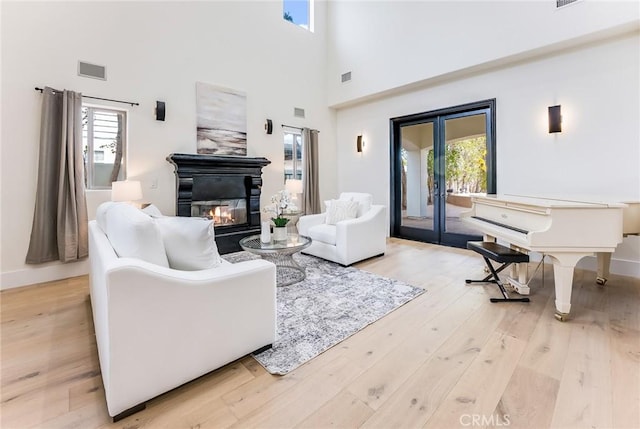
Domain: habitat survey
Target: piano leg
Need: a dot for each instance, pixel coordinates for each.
(563, 266)
(604, 262)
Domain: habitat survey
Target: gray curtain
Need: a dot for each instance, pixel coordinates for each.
(59, 230)
(310, 187)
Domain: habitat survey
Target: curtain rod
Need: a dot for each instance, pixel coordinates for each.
(98, 98)
(298, 128)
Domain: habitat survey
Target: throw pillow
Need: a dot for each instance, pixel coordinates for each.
(132, 234)
(189, 242)
(364, 200)
(340, 210)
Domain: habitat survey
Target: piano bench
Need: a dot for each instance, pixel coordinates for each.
(497, 252)
(503, 255)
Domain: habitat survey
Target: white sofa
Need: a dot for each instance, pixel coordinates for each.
(360, 236)
(158, 328)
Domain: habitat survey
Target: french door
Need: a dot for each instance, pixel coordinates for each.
(440, 159)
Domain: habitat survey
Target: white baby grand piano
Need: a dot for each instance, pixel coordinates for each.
(564, 230)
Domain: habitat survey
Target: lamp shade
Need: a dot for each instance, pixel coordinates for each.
(126, 190)
(293, 185)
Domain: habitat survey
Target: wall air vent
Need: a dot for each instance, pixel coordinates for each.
(345, 77)
(298, 112)
(561, 3)
(92, 70)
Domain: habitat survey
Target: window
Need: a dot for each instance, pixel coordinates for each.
(104, 142)
(292, 154)
(299, 12)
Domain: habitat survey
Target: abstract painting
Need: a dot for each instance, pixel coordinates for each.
(222, 120)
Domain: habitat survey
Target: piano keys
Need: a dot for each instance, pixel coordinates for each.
(564, 230)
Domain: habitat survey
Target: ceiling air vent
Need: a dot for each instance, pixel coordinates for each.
(561, 3)
(92, 70)
(298, 112)
(345, 77)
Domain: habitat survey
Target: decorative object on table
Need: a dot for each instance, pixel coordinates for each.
(221, 120)
(280, 202)
(280, 233)
(331, 304)
(265, 232)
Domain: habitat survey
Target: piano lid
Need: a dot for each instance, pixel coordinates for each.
(545, 202)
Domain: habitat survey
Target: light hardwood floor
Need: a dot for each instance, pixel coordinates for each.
(447, 359)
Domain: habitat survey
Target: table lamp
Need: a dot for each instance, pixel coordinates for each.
(126, 190)
(294, 186)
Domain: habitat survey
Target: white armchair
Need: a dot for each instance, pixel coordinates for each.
(158, 327)
(350, 240)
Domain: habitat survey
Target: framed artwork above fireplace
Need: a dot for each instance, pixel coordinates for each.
(221, 120)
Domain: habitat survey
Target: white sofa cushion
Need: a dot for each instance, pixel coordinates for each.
(132, 234)
(189, 242)
(323, 233)
(340, 210)
(364, 200)
(153, 211)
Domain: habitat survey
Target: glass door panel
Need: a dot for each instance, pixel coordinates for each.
(465, 169)
(417, 175)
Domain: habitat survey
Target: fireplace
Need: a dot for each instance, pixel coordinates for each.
(225, 189)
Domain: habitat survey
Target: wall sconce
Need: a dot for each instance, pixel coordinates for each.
(359, 143)
(555, 119)
(268, 126)
(160, 110)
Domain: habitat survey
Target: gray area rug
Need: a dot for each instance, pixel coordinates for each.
(330, 305)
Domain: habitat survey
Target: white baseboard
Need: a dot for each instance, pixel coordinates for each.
(618, 266)
(52, 272)
(621, 267)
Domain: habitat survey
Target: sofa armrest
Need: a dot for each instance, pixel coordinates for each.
(308, 221)
(368, 231)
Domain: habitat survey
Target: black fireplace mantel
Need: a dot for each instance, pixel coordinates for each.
(212, 177)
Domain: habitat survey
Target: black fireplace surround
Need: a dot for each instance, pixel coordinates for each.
(224, 188)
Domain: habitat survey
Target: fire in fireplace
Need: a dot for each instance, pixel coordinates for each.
(222, 212)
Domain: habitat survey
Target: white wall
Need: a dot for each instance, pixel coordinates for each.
(392, 43)
(596, 155)
(153, 51)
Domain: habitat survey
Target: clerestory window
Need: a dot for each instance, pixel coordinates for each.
(298, 12)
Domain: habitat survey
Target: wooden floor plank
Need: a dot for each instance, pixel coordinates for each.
(547, 349)
(343, 411)
(625, 368)
(528, 401)
(482, 385)
(420, 396)
(585, 393)
(380, 381)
